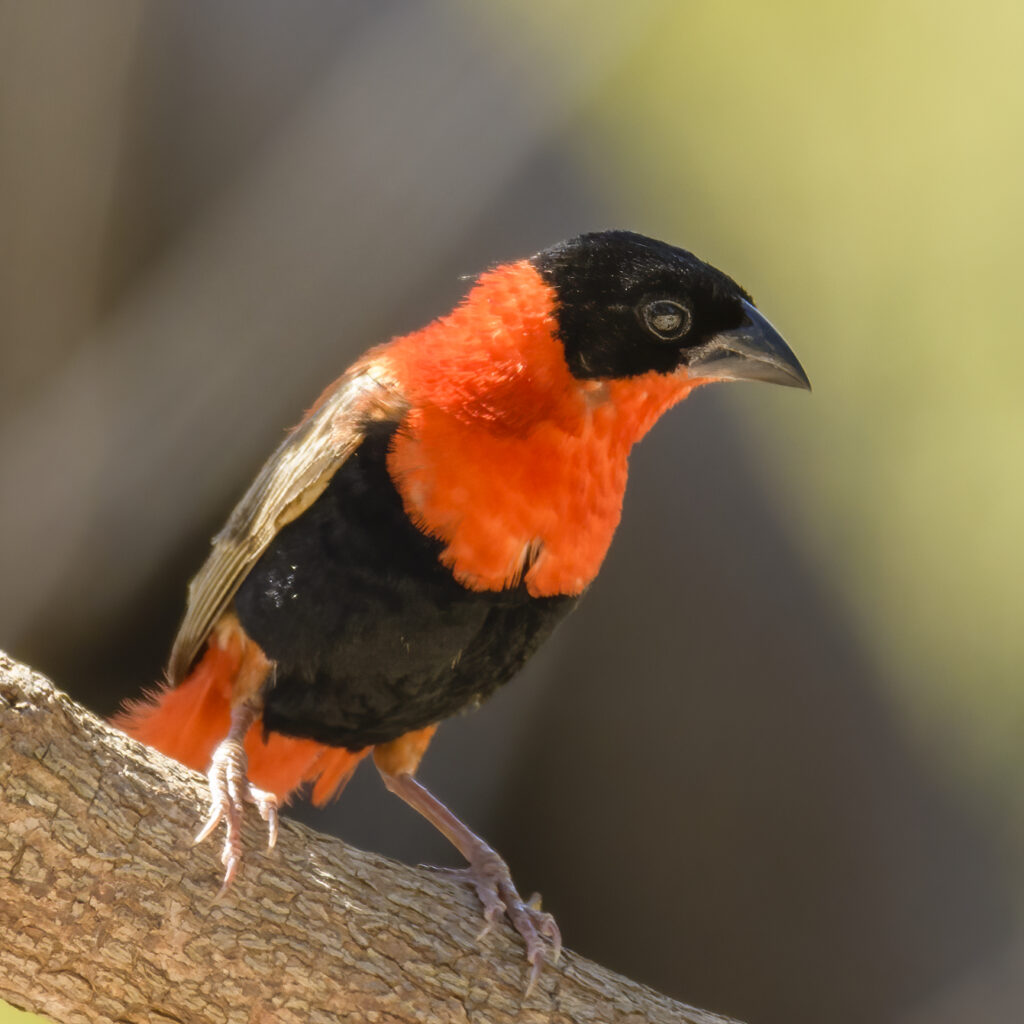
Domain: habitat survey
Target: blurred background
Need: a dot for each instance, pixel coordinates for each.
(773, 765)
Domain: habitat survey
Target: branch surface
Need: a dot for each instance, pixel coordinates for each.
(107, 911)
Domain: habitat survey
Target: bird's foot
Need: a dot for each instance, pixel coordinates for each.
(230, 791)
(490, 876)
(487, 872)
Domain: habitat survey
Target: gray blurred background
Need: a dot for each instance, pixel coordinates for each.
(771, 765)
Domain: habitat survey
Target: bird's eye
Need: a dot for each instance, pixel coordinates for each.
(666, 319)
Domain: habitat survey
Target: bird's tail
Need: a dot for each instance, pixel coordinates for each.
(187, 722)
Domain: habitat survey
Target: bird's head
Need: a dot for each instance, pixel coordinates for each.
(628, 305)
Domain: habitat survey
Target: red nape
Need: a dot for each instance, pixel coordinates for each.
(187, 722)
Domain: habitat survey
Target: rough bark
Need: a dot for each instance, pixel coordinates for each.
(108, 912)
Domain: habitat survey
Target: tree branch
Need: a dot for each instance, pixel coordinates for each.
(108, 912)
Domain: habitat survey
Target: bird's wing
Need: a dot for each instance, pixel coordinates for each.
(289, 482)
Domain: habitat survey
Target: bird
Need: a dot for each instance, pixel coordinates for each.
(421, 532)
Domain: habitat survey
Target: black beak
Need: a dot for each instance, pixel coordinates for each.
(752, 351)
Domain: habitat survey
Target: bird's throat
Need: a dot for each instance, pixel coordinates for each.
(515, 464)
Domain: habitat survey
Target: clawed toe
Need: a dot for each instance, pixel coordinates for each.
(491, 879)
(230, 791)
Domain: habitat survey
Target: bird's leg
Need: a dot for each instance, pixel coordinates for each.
(488, 873)
(230, 790)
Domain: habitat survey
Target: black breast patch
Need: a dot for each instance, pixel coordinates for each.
(372, 637)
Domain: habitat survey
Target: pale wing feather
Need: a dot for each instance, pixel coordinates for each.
(289, 482)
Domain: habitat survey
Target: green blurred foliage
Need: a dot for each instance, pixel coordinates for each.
(858, 167)
(9, 1015)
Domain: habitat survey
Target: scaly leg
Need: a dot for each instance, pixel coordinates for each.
(230, 791)
(488, 873)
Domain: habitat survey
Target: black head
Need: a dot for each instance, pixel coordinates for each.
(628, 304)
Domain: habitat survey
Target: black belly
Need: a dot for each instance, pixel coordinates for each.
(372, 637)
